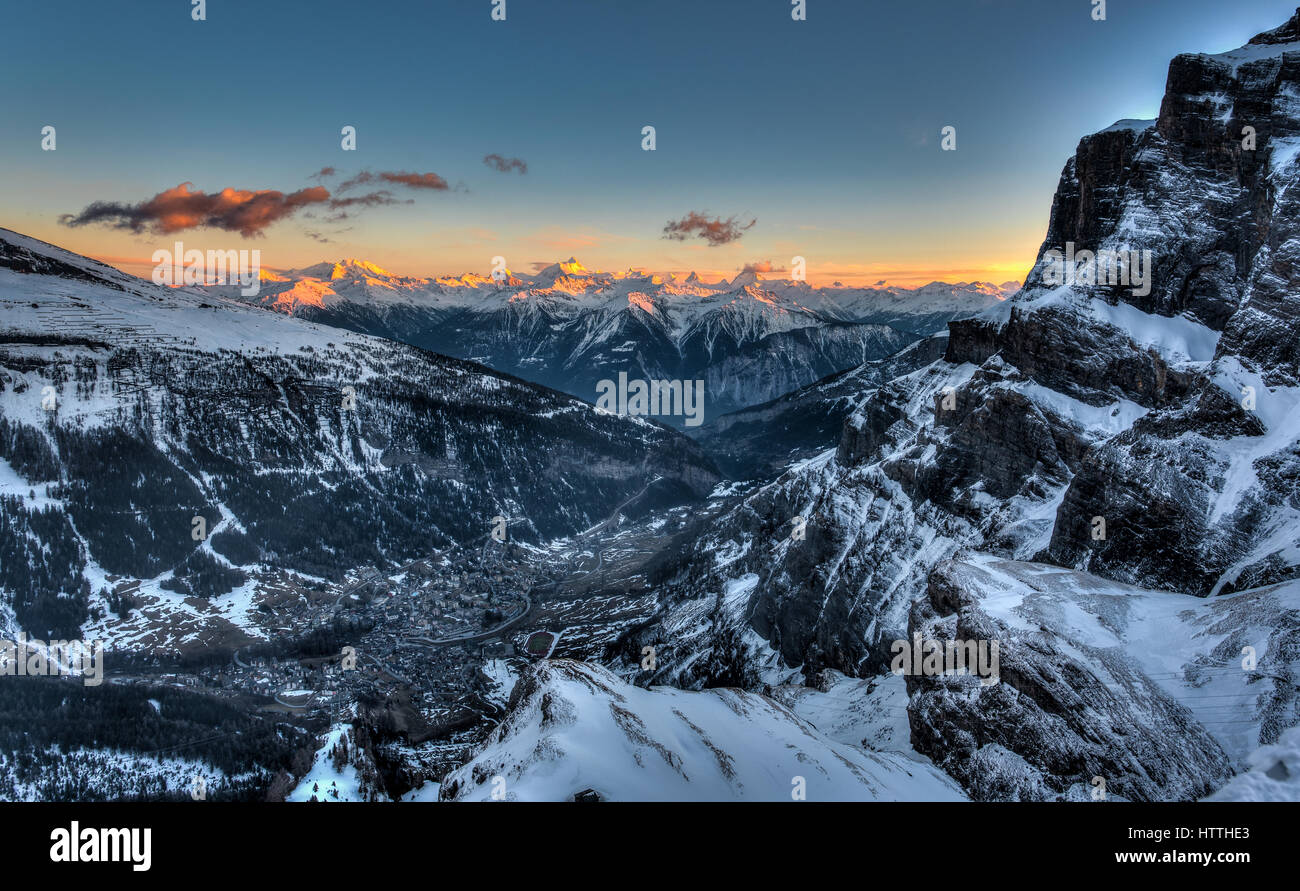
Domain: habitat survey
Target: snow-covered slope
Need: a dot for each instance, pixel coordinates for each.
(340, 772)
(574, 727)
(1274, 773)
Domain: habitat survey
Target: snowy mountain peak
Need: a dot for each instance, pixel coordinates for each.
(348, 267)
(1267, 45)
(1289, 32)
(570, 267)
(545, 325)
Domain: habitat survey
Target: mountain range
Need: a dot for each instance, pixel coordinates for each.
(750, 339)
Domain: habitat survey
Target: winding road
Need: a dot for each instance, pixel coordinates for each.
(478, 635)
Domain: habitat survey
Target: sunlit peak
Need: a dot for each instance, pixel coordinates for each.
(350, 266)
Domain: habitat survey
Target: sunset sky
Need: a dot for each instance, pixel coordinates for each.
(825, 133)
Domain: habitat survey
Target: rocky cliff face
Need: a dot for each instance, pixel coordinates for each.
(1200, 492)
(1143, 689)
(1142, 431)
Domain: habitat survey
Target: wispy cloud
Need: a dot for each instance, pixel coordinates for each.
(248, 212)
(370, 199)
(502, 164)
(397, 177)
(715, 231)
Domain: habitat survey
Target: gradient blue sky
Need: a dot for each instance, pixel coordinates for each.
(826, 131)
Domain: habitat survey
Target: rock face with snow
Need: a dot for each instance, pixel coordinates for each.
(1143, 437)
(750, 339)
(759, 442)
(575, 728)
(1146, 689)
(1198, 493)
(133, 409)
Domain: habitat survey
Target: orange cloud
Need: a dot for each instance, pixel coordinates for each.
(235, 210)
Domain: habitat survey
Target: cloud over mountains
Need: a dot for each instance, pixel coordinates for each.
(715, 231)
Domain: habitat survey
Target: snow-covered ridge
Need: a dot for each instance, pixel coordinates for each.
(1134, 124)
(108, 305)
(1270, 44)
(1184, 646)
(570, 288)
(576, 727)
